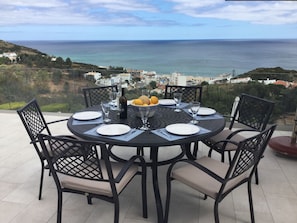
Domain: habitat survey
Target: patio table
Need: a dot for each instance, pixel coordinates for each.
(156, 138)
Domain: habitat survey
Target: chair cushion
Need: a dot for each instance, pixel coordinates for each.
(222, 136)
(99, 187)
(201, 181)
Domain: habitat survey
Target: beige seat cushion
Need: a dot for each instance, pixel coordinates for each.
(97, 187)
(199, 180)
(223, 136)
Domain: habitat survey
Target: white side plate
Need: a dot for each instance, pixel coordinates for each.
(182, 129)
(113, 129)
(166, 102)
(206, 111)
(87, 115)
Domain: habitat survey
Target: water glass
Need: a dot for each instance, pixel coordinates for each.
(106, 108)
(177, 96)
(144, 114)
(194, 108)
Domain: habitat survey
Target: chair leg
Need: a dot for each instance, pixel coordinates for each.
(167, 204)
(209, 152)
(256, 176)
(59, 212)
(216, 211)
(144, 189)
(251, 202)
(116, 210)
(41, 180)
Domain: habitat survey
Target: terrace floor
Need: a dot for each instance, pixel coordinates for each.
(275, 198)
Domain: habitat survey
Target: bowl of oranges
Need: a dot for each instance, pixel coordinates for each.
(144, 101)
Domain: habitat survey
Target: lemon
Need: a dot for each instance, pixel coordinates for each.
(154, 100)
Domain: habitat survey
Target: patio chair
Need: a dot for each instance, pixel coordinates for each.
(94, 95)
(190, 93)
(252, 114)
(216, 179)
(77, 168)
(34, 123)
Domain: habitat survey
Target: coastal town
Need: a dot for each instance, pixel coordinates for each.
(133, 78)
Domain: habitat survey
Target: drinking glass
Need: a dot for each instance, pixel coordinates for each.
(194, 108)
(177, 96)
(144, 113)
(106, 108)
(113, 99)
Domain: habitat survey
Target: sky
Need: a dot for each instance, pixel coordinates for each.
(146, 19)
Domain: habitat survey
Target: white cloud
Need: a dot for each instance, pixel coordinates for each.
(259, 12)
(141, 12)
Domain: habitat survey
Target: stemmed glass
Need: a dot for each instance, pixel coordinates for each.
(144, 113)
(106, 108)
(195, 106)
(113, 99)
(177, 96)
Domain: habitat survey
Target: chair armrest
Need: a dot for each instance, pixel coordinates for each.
(199, 166)
(239, 131)
(60, 120)
(224, 142)
(128, 164)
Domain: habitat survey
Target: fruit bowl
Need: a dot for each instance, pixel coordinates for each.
(152, 107)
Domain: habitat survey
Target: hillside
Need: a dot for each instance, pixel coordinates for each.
(277, 73)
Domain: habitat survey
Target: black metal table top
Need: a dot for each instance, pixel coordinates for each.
(163, 116)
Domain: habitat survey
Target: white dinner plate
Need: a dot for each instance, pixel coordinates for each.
(206, 111)
(166, 102)
(113, 129)
(182, 129)
(87, 115)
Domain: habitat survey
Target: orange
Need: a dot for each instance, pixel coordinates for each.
(138, 102)
(154, 100)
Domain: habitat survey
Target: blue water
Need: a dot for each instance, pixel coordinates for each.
(207, 58)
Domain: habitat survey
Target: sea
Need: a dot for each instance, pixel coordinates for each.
(204, 58)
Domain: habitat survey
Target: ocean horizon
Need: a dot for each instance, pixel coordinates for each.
(206, 58)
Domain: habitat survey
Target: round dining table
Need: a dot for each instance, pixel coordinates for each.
(156, 138)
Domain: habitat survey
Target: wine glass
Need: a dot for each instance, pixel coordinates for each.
(106, 108)
(113, 99)
(144, 113)
(177, 96)
(195, 106)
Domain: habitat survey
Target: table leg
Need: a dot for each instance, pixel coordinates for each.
(187, 149)
(154, 156)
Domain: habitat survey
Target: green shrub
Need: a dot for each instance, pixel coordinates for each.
(55, 107)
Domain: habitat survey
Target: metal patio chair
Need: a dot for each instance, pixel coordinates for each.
(216, 179)
(34, 123)
(84, 167)
(94, 95)
(252, 114)
(190, 93)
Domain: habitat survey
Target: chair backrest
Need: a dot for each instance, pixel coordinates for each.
(190, 93)
(33, 120)
(76, 158)
(248, 155)
(94, 95)
(253, 112)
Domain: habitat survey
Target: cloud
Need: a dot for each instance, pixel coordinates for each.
(257, 12)
(144, 12)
